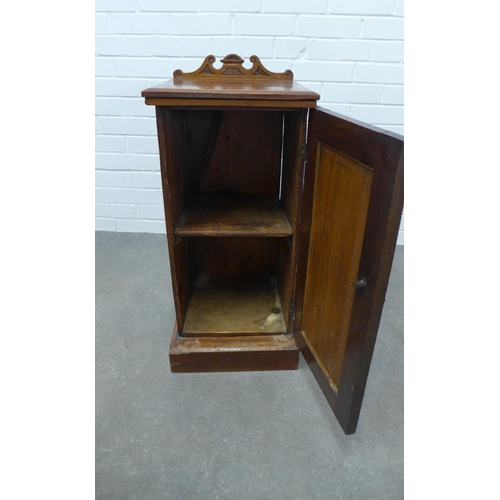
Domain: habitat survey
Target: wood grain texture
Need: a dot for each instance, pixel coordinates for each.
(246, 159)
(294, 138)
(171, 133)
(222, 306)
(209, 100)
(227, 354)
(382, 152)
(232, 215)
(232, 69)
(235, 256)
(341, 199)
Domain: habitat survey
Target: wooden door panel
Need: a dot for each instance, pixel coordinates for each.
(342, 193)
(352, 205)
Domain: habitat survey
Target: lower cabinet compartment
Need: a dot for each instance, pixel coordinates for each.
(235, 317)
(234, 305)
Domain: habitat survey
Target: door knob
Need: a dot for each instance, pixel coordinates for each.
(360, 283)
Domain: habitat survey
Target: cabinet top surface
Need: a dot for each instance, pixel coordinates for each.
(230, 90)
(232, 82)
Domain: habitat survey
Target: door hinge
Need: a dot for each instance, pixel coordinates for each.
(303, 152)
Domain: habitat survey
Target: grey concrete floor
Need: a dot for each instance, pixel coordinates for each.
(252, 435)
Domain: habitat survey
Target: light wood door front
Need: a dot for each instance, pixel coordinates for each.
(353, 198)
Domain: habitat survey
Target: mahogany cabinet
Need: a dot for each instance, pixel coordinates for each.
(282, 220)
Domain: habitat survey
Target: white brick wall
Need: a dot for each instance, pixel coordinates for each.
(349, 51)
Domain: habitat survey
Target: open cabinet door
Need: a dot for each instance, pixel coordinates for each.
(352, 205)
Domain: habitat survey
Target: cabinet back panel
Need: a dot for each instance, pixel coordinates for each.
(235, 256)
(246, 154)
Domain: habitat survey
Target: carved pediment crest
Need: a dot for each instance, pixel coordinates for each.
(232, 67)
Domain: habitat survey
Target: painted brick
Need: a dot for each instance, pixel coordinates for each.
(278, 65)
(378, 115)
(342, 109)
(352, 93)
(108, 106)
(167, 46)
(168, 5)
(296, 6)
(353, 50)
(128, 179)
(148, 145)
(102, 195)
(140, 24)
(140, 226)
(323, 49)
(109, 179)
(314, 86)
(291, 48)
(119, 87)
(105, 224)
(143, 180)
(135, 196)
(363, 7)
(138, 45)
(224, 45)
(105, 161)
(115, 5)
(141, 42)
(201, 24)
(383, 28)
(230, 6)
(257, 46)
(109, 45)
(197, 47)
(124, 126)
(323, 71)
(393, 95)
(151, 82)
(329, 27)
(151, 163)
(136, 107)
(115, 211)
(400, 9)
(102, 24)
(378, 73)
(259, 24)
(142, 67)
(109, 144)
(150, 212)
(387, 51)
(128, 161)
(243, 46)
(104, 66)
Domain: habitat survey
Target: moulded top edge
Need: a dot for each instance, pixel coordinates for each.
(231, 89)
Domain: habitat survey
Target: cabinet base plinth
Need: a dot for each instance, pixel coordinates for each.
(232, 354)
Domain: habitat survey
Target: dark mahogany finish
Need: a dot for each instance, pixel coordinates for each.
(382, 154)
(277, 215)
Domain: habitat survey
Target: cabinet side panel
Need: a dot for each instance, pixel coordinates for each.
(247, 155)
(294, 136)
(171, 140)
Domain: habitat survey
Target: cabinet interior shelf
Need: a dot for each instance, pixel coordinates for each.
(233, 215)
(222, 305)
